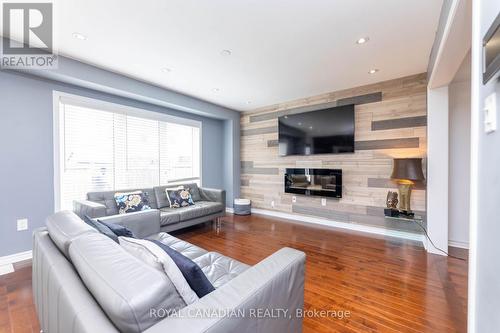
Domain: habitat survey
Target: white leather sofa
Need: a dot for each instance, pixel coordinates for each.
(84, 282)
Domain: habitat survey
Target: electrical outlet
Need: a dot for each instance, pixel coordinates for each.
(22, 224)
(294, 199)
(323, 201)
(272, 203)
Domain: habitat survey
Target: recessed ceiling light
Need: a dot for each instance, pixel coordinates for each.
(362, 40)
(300, 124)
(79, 36)
(216, 89)
(373, 71)
(166, 70)
(225, 53)
(249, 102)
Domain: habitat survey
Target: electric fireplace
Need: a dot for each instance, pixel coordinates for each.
(317, 182)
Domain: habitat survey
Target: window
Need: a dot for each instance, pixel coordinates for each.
(102, 146)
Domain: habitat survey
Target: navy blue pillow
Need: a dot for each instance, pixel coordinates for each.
(117, 229)
(191, 272)
(102, 228)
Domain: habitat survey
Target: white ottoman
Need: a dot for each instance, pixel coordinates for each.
(242, 207)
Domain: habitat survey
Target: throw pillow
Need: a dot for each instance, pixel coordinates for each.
(117, 229)
(193, 274)
(194, 190)
(102, 228)
(179, 198)
(154, 256)
(132, 202)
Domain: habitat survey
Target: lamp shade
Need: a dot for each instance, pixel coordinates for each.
(408, 169)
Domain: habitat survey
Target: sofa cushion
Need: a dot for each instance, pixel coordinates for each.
(193, 274)
(189, 250)
(219, 269)
(126, 288)
(153, 255)
(64, 227)
(132, 202)
(200, 209)
(178, 198)
(107, 198)
(169, 216)
(161, 195)
(101, 227)
(117, 229)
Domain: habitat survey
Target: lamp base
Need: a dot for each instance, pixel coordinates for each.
(405, 213)
(404, 197)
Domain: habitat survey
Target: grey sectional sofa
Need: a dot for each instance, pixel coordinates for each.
(84, 282)
(210, 204)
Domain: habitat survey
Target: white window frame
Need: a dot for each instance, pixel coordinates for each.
(62, 97)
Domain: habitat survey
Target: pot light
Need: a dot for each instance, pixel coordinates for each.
(166, 70)
(225, 53)
(216, 90)
(363, 40)
(373, 71)
(79, 36)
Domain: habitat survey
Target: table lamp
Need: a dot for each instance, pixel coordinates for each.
(406, 171)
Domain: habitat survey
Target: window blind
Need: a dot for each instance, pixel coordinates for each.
(105, 150)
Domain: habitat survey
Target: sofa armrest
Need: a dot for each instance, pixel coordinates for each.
(212, 194)
(142, 224)
(90, 208)
(276, 283)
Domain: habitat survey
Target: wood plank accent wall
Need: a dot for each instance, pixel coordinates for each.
(391, 119)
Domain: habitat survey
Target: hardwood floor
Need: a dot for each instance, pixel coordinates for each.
(17, 312)
(386, 284)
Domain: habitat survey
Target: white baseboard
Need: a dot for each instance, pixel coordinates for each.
(335, 224)
(6, 269)
(16, 257)
(459, 244)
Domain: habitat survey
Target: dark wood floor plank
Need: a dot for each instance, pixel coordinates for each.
(387, 284)
(390, 285)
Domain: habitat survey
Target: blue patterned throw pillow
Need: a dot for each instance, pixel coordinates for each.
(132, 202)
(179, 198)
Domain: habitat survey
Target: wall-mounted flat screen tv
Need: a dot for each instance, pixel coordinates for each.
(326, 131)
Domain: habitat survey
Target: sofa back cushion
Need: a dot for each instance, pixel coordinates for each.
(107, 198)
(64, 227)
(162, 198)
(127, 289)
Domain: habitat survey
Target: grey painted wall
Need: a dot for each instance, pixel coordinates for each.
(26, 151)
(484, 292)
(459, 155)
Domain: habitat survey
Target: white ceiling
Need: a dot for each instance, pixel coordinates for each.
(280, 50)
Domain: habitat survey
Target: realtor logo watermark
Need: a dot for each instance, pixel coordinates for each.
(28, 31)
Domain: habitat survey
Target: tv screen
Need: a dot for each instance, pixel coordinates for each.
(326, 131)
